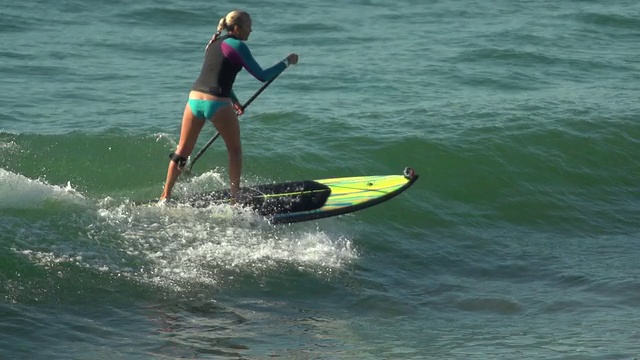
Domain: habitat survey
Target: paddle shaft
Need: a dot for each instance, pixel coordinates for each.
(206, 146)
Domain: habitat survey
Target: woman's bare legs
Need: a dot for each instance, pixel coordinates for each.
(191, 127)
(226, 122)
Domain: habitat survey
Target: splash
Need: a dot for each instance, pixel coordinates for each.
(183, 245)
(19, 192)
(9, 146)
(174, 247)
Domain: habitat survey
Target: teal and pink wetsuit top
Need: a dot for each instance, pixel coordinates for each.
(223, 60)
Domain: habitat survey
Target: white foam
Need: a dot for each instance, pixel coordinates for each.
(186, 245)
(167, 137)
(211, 180)
(207, 181)
(172, 246)
(19, 192)
(10, 146)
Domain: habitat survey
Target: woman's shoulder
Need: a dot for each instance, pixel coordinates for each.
(234, 42)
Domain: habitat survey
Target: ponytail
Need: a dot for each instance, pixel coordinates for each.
(222, 25)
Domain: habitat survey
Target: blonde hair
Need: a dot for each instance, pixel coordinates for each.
(234, 18)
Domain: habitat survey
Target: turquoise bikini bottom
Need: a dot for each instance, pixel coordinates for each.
(205, 109)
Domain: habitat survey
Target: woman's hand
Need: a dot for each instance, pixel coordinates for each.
(293, 59)
(238, 108)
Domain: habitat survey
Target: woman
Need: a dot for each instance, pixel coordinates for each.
(212, 97)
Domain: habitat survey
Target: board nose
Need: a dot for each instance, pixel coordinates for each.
(409, 173)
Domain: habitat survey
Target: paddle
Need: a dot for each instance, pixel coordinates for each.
(187, 169)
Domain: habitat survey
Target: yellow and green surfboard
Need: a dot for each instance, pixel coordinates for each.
(313, 199)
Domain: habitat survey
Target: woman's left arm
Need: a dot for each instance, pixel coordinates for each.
(252, 66)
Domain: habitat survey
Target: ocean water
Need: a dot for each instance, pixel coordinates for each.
(519, 240)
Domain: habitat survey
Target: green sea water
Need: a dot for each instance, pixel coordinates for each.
(519, 240)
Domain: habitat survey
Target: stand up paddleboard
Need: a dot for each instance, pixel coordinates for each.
(304, 200)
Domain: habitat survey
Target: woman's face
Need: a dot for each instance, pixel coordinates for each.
(243, 31)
